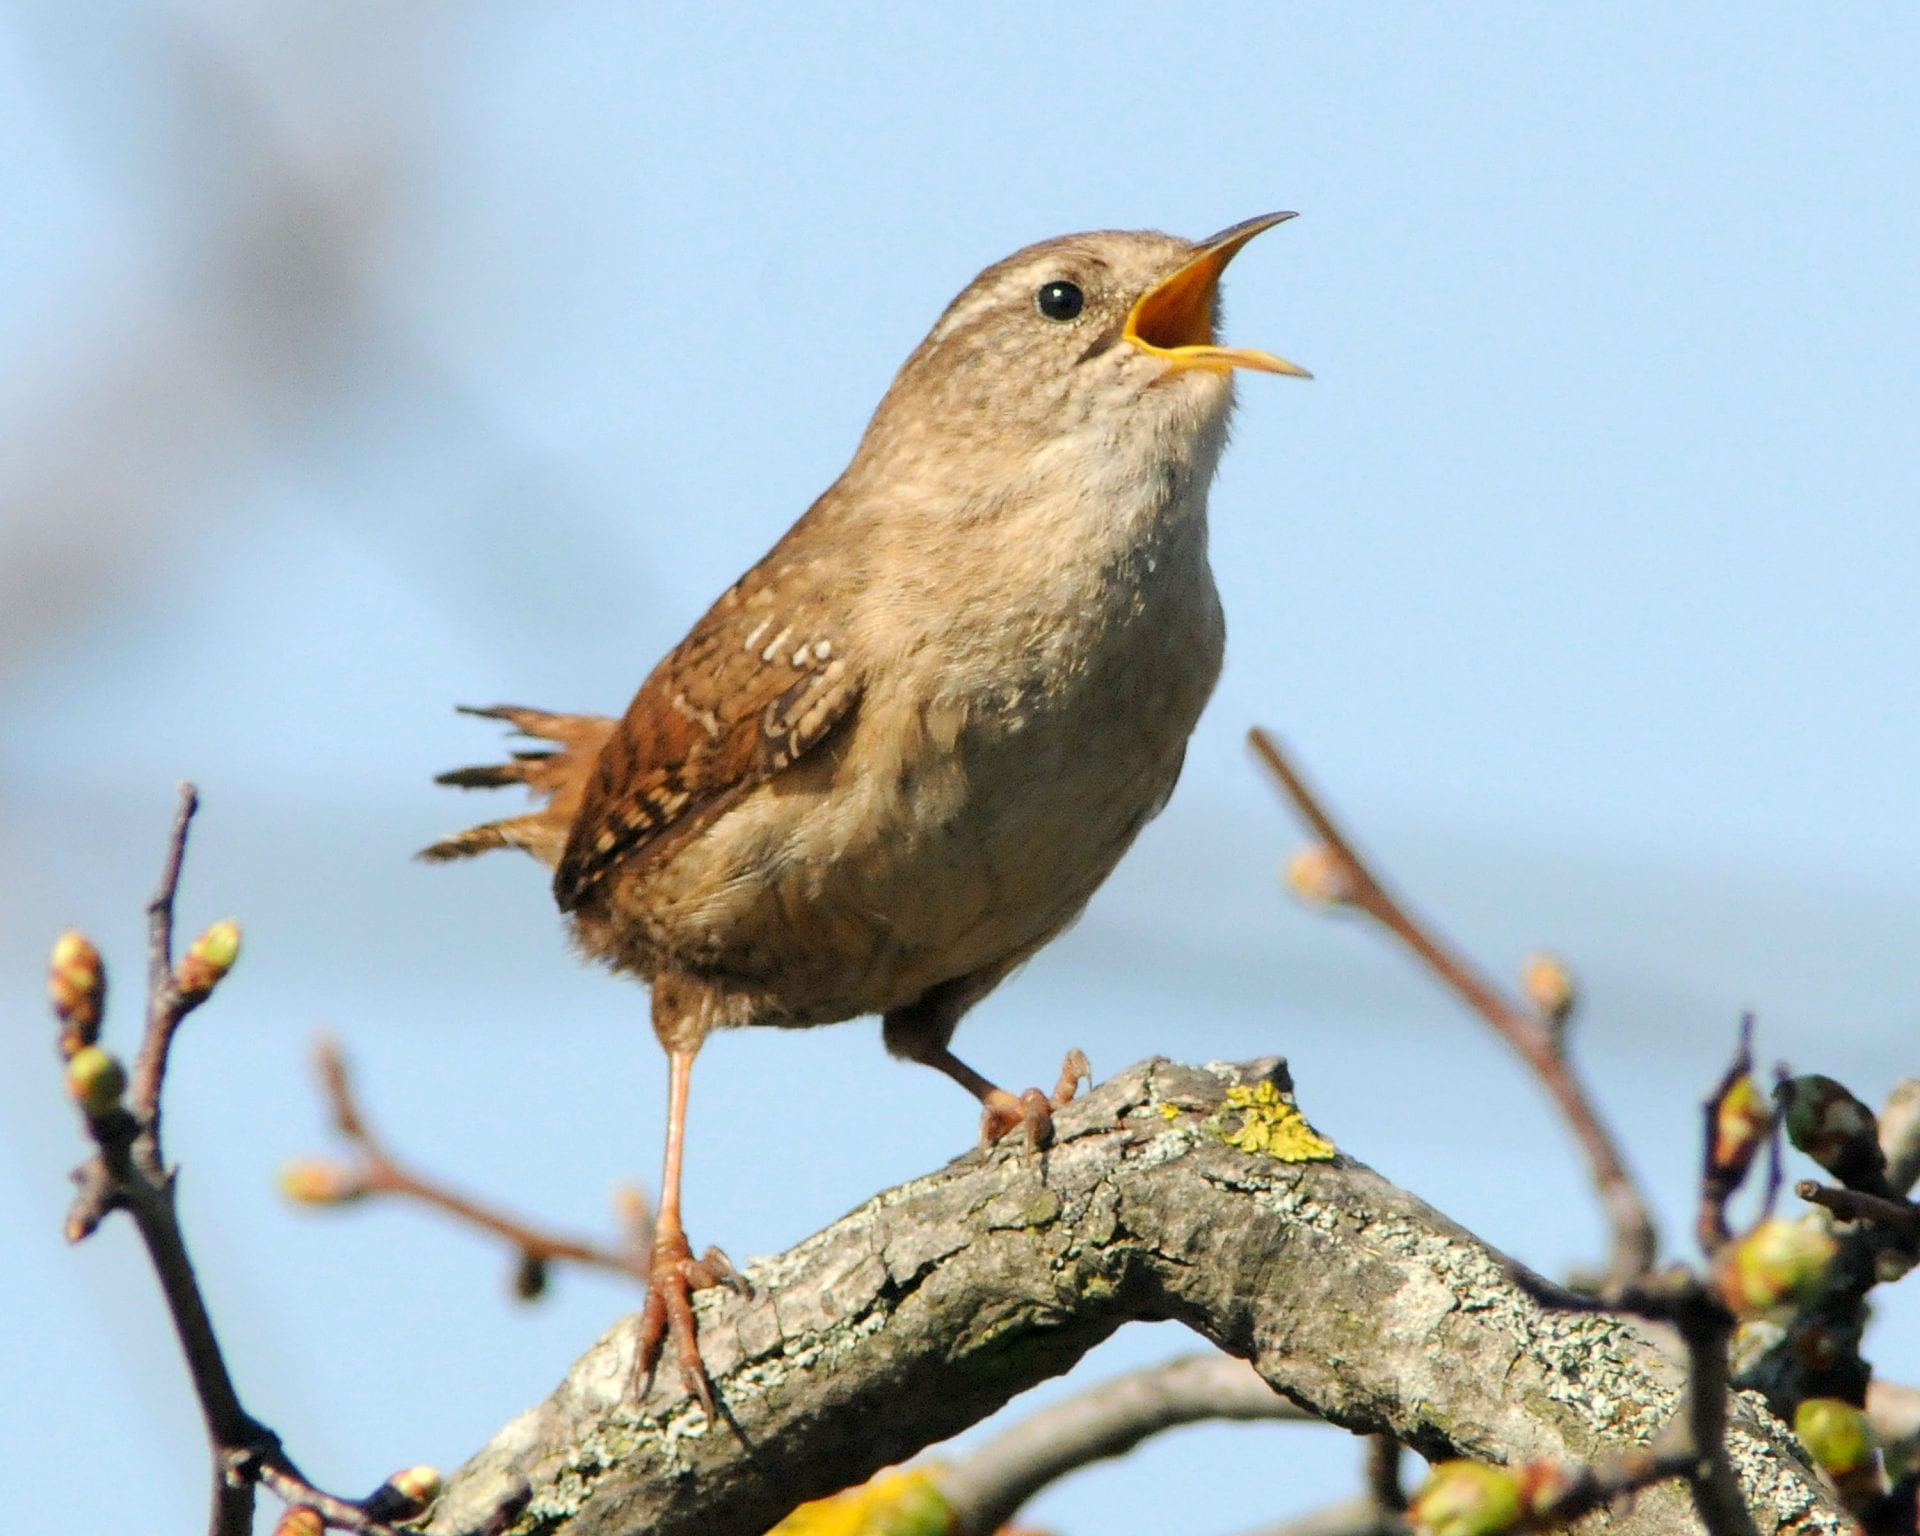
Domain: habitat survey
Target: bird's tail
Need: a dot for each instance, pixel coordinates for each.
(559, 774)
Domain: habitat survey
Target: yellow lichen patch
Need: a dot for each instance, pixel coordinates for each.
(906, 1502)
(1170, 1111)
(1271, 1124)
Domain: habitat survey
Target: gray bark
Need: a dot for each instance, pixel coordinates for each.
(934, 1303)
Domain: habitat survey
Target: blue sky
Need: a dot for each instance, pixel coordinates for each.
(366, 359)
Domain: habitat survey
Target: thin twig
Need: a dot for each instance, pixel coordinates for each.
(292, 1488)
(1738, 1124)
(1634, 1237)
(128, 1172)
(1693, 1445)
(166, 1007)
(1857, 1205)
(1707, 1329)
(377, 1171)
(1384, 1455)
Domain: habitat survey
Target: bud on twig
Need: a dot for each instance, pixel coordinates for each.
(1467, 1498)
(1543, 1484)
(529, 1277)
(210, 958)
(301, 1520)
(1319, 877)
(1836, 1435)
(96, 1081)
(77, 987)
(1740, 1122)
(1834, 1129)
(405, 1495)
(1778, 1264)
(1549, 987)
(1840, 1440)
(311, 1182)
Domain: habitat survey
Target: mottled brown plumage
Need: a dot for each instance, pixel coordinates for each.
(901, 753)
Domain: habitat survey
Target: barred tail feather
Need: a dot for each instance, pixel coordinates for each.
(558, 775)
(514, 832)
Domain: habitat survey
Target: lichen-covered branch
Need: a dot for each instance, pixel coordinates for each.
(937, 1301)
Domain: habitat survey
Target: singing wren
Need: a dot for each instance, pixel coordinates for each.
(900, 754)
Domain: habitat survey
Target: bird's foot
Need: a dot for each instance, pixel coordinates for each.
(672, 1278)
(1033, 1109)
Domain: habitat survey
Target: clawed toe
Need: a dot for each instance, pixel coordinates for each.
(1074, 1071)
(714, 1268)
(674, 1275)
(1006, 1112)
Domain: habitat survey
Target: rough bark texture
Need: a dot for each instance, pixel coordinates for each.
(935, 1302)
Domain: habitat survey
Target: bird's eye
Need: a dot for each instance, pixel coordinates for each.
(1059, 299)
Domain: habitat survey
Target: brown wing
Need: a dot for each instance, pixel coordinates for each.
(760, 680)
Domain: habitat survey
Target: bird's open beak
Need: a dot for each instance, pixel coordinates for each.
(1173, 320)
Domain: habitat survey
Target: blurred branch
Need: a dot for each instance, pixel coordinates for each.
(989, 1485)
(1352, 882)
(1358, 1516)
(1384, 1488)
(377, 1172)
(1872, 1228)
(1900, 1135)
(257, 312)
(1902, 1216)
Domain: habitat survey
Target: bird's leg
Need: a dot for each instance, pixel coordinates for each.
(920, 1032)
(675, 1274)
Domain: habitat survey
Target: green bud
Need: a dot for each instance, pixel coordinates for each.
(210, 958)
(1467, 1498)
(1836, 1434)
(96, 1081)
(1778, 1264)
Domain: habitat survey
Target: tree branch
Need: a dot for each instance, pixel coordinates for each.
(1534, 1037)
(936, 1302)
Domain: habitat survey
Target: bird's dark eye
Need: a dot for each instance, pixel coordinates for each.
(1059, 299)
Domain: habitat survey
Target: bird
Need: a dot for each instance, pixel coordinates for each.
(900, 754)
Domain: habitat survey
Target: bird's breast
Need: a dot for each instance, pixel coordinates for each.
(1037, 737)
(1020, 721)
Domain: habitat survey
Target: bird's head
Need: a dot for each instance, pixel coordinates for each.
(1102, 338)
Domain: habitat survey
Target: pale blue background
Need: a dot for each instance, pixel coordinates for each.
(362, 359)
